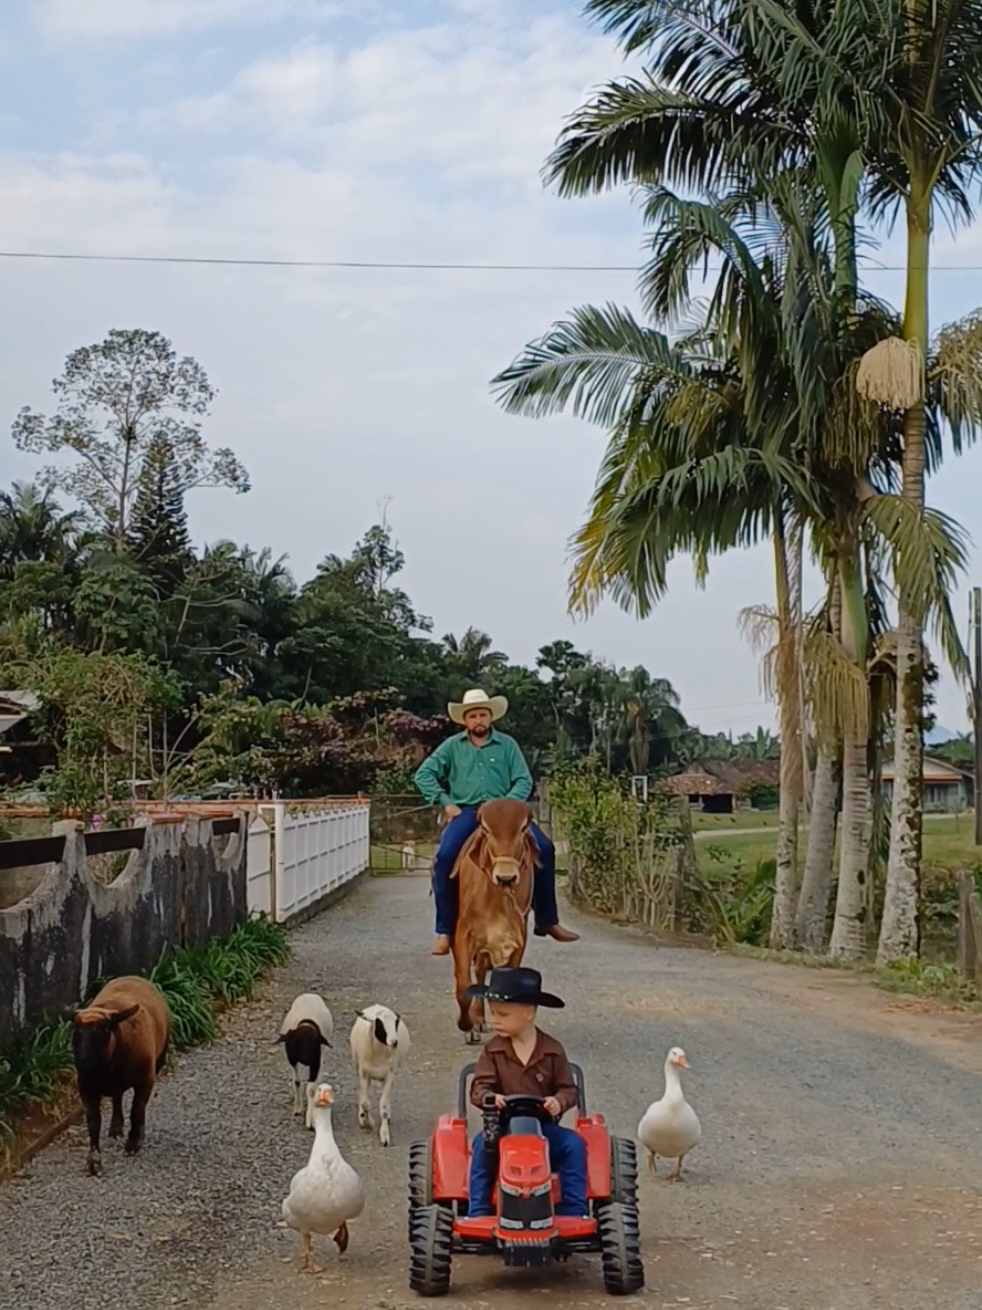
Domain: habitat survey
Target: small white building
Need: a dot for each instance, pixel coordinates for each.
(946, 788)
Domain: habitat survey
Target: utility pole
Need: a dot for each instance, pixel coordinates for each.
(976, 611)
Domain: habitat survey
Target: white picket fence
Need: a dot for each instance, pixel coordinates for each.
(297, 856)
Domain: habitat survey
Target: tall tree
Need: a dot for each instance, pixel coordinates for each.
(159, 540)
(908, 71)
(117, 401)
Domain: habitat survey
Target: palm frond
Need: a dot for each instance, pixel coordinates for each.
(955, 377)
(602, 362)
(927, 552)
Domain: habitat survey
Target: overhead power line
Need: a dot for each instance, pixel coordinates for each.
(396, 264)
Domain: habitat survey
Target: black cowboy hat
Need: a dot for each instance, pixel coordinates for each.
(516, 987)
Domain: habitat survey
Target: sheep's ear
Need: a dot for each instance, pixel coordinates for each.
(122, 1015)
(281, 1038)
(324, 1041)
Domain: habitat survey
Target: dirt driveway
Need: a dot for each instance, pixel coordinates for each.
(839, 1169)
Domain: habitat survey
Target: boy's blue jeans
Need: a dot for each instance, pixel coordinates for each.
(567, 1155)
(445, 893)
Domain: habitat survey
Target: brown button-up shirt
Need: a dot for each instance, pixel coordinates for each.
(501, 1072)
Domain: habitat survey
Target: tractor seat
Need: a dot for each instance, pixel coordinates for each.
(524, 1125)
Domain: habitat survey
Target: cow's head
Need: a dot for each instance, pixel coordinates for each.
(505, 826)
(94, 1037)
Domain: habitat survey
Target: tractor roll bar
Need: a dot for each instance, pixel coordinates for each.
(469, 1069)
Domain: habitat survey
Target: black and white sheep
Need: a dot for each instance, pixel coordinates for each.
(308, 1026)
(379, 1044)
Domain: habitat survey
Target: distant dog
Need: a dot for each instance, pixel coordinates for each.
(409, 855)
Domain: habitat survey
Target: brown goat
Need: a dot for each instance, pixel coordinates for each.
(119, 1042)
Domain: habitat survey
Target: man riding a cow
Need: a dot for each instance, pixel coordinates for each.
(477, 765)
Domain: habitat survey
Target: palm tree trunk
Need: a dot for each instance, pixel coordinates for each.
(816, 881)
(848, 930)
(786, 876)
(899, 931)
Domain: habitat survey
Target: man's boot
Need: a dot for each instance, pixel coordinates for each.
(558, 934)
(442, 945)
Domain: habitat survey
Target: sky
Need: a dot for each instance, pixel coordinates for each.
(363, 130)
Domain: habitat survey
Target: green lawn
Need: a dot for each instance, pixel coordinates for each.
(733, 822)
(949, 844)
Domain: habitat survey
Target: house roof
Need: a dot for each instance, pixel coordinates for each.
(708, 777)
(15, 706)
(932, 770)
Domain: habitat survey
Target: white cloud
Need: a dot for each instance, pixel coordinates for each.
(337, 387)
(71, 20)
(485, 107)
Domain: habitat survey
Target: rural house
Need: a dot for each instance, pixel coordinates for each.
(947, 789)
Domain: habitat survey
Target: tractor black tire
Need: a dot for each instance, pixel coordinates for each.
(431, 1241)
(620, 1248)
(623, 1171)
(420, 1179)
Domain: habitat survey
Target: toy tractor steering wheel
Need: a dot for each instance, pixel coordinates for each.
(496, 1121)
(523, 1104)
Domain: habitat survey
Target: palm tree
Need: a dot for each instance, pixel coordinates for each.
(881, 101)
(909, 70)
(471, 658)
(34, 528)
(679, 475)
(651, 712)
(702, 454)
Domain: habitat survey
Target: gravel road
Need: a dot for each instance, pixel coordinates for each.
(839, 1167)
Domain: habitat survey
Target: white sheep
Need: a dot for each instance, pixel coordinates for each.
(379, 1044)
(308, 1026)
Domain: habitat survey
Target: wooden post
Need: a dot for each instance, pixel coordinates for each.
(977, 707)
(969, 930)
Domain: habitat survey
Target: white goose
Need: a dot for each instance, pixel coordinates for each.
(327, 1192)
(670, 1127)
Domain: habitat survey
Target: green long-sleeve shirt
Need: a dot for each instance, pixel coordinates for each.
(460, 773)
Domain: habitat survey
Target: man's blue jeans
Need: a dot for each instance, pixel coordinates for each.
(445, 891)
(567, 1156)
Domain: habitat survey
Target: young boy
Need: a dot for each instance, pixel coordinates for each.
(521, 1059)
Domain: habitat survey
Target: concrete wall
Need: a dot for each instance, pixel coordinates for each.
(182, 888)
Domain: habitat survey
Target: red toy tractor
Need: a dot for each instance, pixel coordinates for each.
(525, 1230)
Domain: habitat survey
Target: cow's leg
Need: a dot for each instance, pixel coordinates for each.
(462, 980)
(116, 1124)
(481, 966)
(138, 1115)
(93, 1121)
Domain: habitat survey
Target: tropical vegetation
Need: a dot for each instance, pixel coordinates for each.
(788, 403)
(191, 671)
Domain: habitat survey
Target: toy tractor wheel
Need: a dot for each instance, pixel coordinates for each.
(620, 1248)
(623, 1171)
(420, 1179)
(431, 1240)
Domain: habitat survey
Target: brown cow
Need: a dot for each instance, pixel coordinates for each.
(495, 870)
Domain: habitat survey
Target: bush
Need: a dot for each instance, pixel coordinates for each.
(764, 795)
(196, 983)
(624, 855)
(732, 903)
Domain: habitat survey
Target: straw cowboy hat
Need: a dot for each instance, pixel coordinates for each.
(476, 699)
